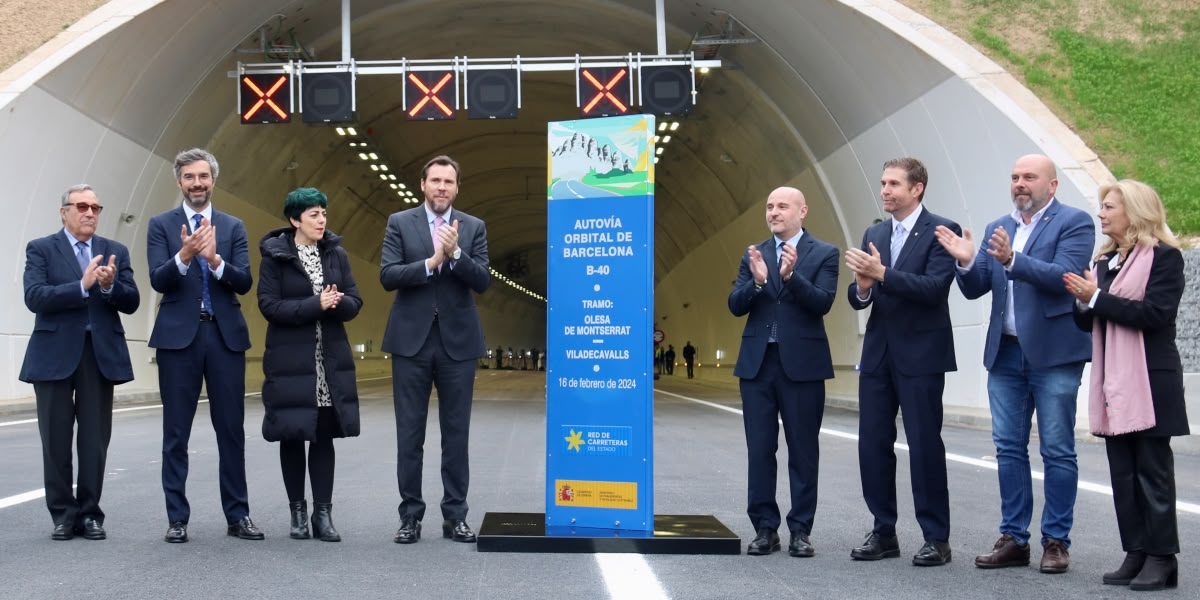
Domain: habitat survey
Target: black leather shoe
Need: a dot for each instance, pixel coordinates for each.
(176, 533)
(765, 542)
(91, 529)
(409, 532)
(458, 530)
(245, 529)
(800, 546)
(62, 533)
(877, 547)
(932, 554)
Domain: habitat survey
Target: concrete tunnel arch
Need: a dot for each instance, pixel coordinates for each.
(830, 90)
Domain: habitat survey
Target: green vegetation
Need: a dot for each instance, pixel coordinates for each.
(1125, 76)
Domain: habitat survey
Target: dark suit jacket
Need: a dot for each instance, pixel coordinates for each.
(405, 247)
(911, 314)
(61, 312)
(179, 310)
(1154, 315)
(798, 307)
(1061, 242)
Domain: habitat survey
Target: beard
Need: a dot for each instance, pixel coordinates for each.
(195, 201)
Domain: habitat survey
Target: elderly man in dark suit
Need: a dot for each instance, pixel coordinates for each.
(1034, 354)
(905, 276)
(76, 283)
(786, 284)
(200, 264)
(435, 258)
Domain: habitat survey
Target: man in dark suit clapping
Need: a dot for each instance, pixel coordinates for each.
(905, 275)
(435, 258)
(76, 284)
(786, 284)
(200, 263)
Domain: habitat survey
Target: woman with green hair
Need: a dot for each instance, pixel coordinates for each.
(306, 292)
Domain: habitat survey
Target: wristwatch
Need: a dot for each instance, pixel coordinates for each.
(457, 253)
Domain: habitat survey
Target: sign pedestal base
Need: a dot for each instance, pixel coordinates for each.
(673, 534)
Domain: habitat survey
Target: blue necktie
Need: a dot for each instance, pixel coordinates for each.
(775, 324)
(898, 238)
(205, 300)
(82, 255)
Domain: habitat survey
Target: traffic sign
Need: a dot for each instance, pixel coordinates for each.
(493, 93)
(604, 91)
(666, 90)
(430, 95)
(265, 98)
(327, 97)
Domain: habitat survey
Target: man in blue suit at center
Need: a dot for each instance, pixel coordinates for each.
(200, 264)
(786, 284)
(905, 276)
(1034, 356)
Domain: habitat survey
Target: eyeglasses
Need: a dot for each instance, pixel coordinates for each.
(84, 207)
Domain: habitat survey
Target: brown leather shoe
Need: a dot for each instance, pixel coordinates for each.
(1006, 553)
(1055, 558)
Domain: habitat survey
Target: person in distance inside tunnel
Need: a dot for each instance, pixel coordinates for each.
(435, 257)
(307, 293)
(1129, 301)
(786, 285)
(904, 274)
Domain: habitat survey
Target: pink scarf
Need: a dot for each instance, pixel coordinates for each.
(1119, 400)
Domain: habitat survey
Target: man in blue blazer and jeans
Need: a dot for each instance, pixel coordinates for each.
(200, 264)
(76, 284)
(905, 275)
(1033, 354)
(786, 284)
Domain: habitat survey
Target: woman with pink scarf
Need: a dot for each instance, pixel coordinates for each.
(1128, 300)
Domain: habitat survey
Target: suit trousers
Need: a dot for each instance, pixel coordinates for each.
(1142, 469)
(223, 371)
(413, 378)
(766, 399)
(86, 398)
(919, 399)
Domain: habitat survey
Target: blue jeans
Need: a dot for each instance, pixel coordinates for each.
(1016, 389)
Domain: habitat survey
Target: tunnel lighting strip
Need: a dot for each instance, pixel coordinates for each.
(520, 288)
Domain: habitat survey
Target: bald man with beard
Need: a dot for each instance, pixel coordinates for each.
(1033, 355)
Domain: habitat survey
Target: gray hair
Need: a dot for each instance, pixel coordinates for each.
(75, 189)
(188, 157)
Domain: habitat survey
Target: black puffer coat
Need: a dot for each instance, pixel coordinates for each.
(286, 299)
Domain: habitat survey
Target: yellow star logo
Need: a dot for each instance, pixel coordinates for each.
(575, 440)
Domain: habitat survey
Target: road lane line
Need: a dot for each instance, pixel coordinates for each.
(22, 498)
(1180, 505)
(629, 576)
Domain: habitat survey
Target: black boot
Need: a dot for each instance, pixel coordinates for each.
(1128, 569)
(322, 522)
(1159, 572)
(299, 519)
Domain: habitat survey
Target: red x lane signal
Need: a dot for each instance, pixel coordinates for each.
(430, 96)
(606, 90)
(265, 99)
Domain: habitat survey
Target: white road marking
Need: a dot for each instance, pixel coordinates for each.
(1180, 505)
(21, 498)
(629, 576)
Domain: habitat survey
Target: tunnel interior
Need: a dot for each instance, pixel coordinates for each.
(814, 95)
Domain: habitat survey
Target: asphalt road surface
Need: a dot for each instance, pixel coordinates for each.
(700, 469)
